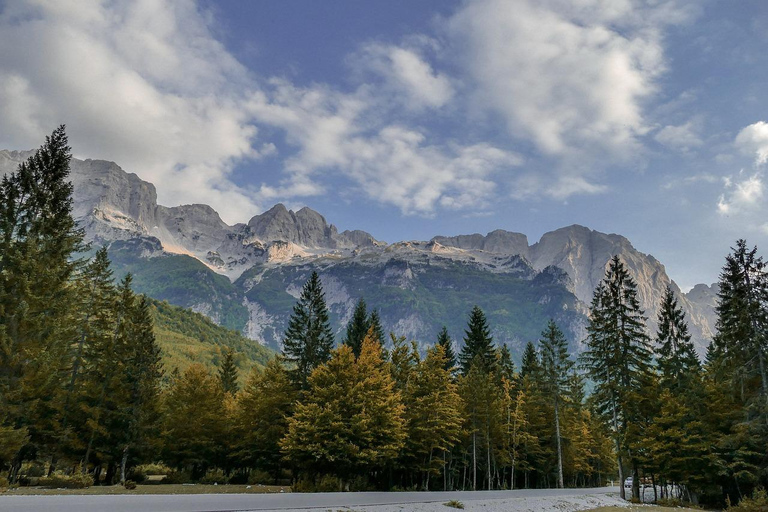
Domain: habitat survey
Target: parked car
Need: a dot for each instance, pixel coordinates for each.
(628, 482)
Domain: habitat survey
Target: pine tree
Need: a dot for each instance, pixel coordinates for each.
(228, 372)
(506, 365)
(478, 344)
(351, 420)
(432, 415)
(357, 328)
(263, 409)
(480, 394)
(194, 424)
(38, 241)
(141, 381)
(374, 326)
(678, 363)
(308, 339)
(445, 341)
(530, 364)
(618, 355)
(556, 367)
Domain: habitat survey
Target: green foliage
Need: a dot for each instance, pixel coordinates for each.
(478, 344)
(357, 328)
(186, 337)
(308, 339)
(758, 502)
(454, 504)
(62, 481)
(228, 372)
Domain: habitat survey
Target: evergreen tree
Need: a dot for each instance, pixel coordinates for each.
(618, 356)
(506, 365)
(530, 364)
(38, 313)
(263, 409)
(142, 377)
(228, 373)
(432, 415)
(478, 344)
(308, 339)
(194, 425)
(678, 363)
(351, 420)
(445, 341)
(480, 394)
(374, 325)
(357, 328)
(556, 367)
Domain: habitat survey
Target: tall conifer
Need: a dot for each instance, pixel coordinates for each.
(478, 344)
(308, 339)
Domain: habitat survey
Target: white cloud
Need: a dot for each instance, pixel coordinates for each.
(391, 163)
(683, 137)
(754, 140)
(741, 194)
(142, 83)
(406, 74)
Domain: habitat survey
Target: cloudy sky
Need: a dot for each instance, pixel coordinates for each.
(412, 118)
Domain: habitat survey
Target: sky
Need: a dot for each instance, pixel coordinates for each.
(410, 119)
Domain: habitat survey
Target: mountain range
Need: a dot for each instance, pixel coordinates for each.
(247, 276)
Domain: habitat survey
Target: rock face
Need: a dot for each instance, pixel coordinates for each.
(417, 285)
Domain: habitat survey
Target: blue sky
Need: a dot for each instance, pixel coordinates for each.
(410, 119)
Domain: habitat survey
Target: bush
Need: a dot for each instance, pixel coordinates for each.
(327, 483)
(178, 477)
(454, 504)
(35, 471)
(61, 481)
(214, 476)
(136, 475)
(758, 502)
(259, 476)
(3, 482)
(130, 485)
(155, 468)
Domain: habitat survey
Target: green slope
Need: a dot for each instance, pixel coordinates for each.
(186, 337)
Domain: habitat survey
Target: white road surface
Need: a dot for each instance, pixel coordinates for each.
(524, 500)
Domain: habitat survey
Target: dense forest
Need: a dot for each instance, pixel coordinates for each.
(84, 396)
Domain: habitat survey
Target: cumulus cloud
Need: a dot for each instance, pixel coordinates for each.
(683, 137)
(391, 163)
(406, 74)
(754, 140)
(142, 83)
(741, 194)
(567, 75)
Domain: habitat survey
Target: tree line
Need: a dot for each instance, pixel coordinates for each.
(83, 391)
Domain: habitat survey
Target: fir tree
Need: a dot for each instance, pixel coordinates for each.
(478, 344)
(505, 365)
(308, 339)
(530, 365)
(357, 328)
(263, 409)
(228, 372)
(38, 313)
(678, 363)
(556, 368)
(432, 415)
(618, 355)
(374, 325)
(445, 341)
(351, 419)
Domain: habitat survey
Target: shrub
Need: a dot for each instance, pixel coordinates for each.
(62, 481)
(136, 475)
(214, 476)
(35, 471)
(758, 502)
(327, 483)
(259, 476)
(454, 504)
(3, 482)
(155, 468)
(130, 485)
(178, 477)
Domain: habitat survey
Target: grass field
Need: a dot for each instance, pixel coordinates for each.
(157, 489)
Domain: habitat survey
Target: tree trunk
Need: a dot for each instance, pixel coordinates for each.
(560, 483)
(619, 462)
(474, 460)
(123, 463)
(635, 482)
